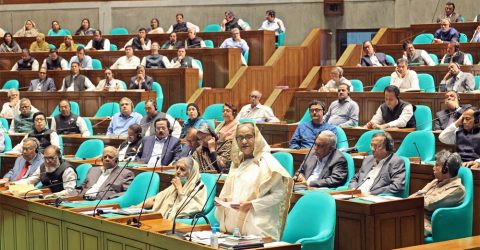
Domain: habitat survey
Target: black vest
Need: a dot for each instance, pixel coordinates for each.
(180, 27)
(185, 63)
(468, 144)
(78, 82)
(232, 24)
(458, 57)
(43, 137)
(195, 43)
(57, 64)
(136, 43)
(67, 124)
(391, 115)
(98, 45)
(25, 65)
(54, 179)
(154, 61)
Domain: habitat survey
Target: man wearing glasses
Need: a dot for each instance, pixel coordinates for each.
(43, 83)
(306, 132)
(23, 122)
(446, 33)
(371, 58)
(257, 111)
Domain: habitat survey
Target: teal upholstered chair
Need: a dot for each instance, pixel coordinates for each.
(89, 125)
(119, 31)
(425, 38)
(51, 46)
(469, 57)
(159, 95)
(74, 109)
(390, 59)
(351, 171)
(418, 142)
(363, 143)
(178, 111)
(140, 108)
(434, 58)
(209, 44)
(5, 125)
(315, 214)
(357, 85)
(381, 84)
(286, 159)
(306, 117)
(96, 64)
(406, 189)
(200, 65)
(107, 109)
(423, 118)
(455, 222)
(124, 85)
(246, 54)
(342, 141)
(7, 142)
(280, 39)
(212, 28)
(214, 111)
(463, 38)
(211, 123)
(82, 171)
(477, 82)
(113, 47)
(91, 148)
(426, 82)
(80, 45)
(60, 143)
(11, 84)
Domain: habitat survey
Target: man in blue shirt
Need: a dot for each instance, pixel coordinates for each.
(82, 59)
(122, 120)
(446, 33)
(306, 132)
(27, 163)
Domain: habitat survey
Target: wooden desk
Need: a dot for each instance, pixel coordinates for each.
(458, 244)
(277, 133)
(72, 142)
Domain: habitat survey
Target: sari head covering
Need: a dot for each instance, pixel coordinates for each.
(12, 47)
(168, 201)
(23, 32)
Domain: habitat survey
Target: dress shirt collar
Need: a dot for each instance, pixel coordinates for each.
(125, 116)
(107, 171)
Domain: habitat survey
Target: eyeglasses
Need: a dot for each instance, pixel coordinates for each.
(43, 73)
(254, 96)
(49, 158)
(315, 110)
(246, 137)
(40, 119)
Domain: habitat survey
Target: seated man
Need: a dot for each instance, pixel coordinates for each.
(453, 111)
(54, 173)
(128, 61)
(371, 58)
(456, 80)
(160, 148)
(12, 108)
(236, 42)
(325, 166)
(414, 56)
(27, 163)
(450, 14)
(129, 148)
(304, 136)
(394, 113)
(172, 42)
(181, 25)
(455, 55)
(23, 122)
(141, 80)
(403, 78)
(337, 78)
(464, 133)
(272, 23)
(184, 61)
(54, 61)
(45, 137)
(445, 34)
(98, 42)
(123, 119)
(231, 21)
(76, 81)
(212, 155)
(476, 34)
(108, 181)
(344, 111)
(155, 60)
(147, 122)
(43, 83)
(84, 61)
(140, 42)
(193, 41)
(383, 172)
(446, 190)
(39, 45)
(68, 123)
(109, 83)
(257, 111)
(26, 63)
(191, 143)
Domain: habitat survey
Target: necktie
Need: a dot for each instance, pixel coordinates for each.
(24, 171)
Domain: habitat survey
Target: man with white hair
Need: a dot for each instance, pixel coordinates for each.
(257, 111)
(337, 78)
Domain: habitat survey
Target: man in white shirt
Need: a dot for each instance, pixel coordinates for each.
(26, 63)
(128, 61)
(272, 23)
(257, 111)
(11, 108)
(155, 60)
(184, 61)
(457, 80)
(98, 42)
(455, 55)
(109, 83)
(76, 81)
(83, 60)
(414, 56)
(181, 25)
(68, 123)
(231, 21)
(141, 42)
(404, 78)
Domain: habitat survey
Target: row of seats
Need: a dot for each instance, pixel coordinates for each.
(427, 38)
(434, 57)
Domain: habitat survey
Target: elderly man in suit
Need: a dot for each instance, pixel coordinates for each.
(27, 163)
(449, 115)
(371, 58)
(161, 148)
(104, 179)
(382, 172)
(325, 166)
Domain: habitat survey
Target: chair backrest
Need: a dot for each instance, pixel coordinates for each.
(425, 38)
(246, 55)
(119, 31)
(67, 31)
(89, 125)
(210, 122)
(306, 117)
(209, 44)
(159, 95)
(463, 38)
(11, 84)
(281, 40)
(210, 182)
(469, 57)
(214, 111)
(96, 64)
(113, 47)
(363, 143)
(286, 159)
(342, 141)
(381, 84)
(214, 27)
(390, 59)
(200, 65)
(423, 118)
(5, 125)
(434, 58)
(80, 45)
(82, 171)
(357, 85)
(51, 46)
(477, 82)
(350, 173)
(7, 142)
(124, 85)
(426, 82)
(74, 109)
(107, 109)
(91, 148)
(315, 214)
(138, 188)
(140, 108)
(418, 142)
(60, 143)
(406, 188)
(178, 110)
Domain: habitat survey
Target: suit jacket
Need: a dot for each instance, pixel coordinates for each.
(48, 85)
(171, 150)
(333, 174)
(146, 84)
(365, 61)
(115, 187)
(390, 179)
(20, 163)
(442, 117)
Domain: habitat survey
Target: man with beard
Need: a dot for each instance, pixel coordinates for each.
(344, 111)
(67, 123)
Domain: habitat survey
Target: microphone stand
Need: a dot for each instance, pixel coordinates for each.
(361, 183)
(51, 185)
(187, 200)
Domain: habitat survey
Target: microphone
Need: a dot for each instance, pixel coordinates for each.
(414, 35)
(418, 151)
(361, 183)
(100, 122)
(185, 203)
(48, 186)
(447, 114)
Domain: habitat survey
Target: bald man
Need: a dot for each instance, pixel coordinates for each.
(257, 111)
(102, 179)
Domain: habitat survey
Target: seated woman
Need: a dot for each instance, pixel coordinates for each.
(226, 128)
(39, 45)
(259, 185)
(28, 30)
(9, 45)
(68, 45)
(337, 78)
(194, 119)
(56, 30)
(155, 27)
(168, 201)
(85, 29)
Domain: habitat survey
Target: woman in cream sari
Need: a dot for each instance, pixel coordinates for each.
(258, 183)
(168, 201)
(29, 29)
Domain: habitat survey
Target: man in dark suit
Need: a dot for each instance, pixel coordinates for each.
(161, 146)
(43, 83)
(104, 179)
(141, 80)
(382, 172)
(325, 166)
(371, 58)
(449, 115)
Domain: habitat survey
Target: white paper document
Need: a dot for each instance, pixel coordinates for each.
(226, 203)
